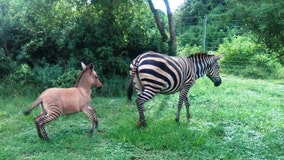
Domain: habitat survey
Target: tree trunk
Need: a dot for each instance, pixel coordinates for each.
(173, 47)
(158, 22)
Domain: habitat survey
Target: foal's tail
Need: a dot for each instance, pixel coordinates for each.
(36, 102)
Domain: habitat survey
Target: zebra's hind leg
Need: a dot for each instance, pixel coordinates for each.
(139, 102)
(91, 114)
(141, 98)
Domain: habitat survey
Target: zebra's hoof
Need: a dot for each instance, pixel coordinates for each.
(188, 116)
(46, 139)
(141, 123)
(177, 120)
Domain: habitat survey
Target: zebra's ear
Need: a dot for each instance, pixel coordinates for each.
(83, 65)
(219, 56)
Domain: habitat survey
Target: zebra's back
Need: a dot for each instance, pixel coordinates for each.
(160, 73)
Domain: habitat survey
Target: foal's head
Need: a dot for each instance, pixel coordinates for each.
(88, 77)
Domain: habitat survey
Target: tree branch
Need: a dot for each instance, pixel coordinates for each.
(173, 47)
(158, 22)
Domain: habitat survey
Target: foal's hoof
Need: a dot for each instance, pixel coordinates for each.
(141, 123)
(96, 123)
(91, 133)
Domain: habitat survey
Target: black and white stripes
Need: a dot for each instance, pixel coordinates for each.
(154, 73)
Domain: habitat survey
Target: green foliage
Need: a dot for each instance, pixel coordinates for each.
(113, 65)
(19, 82)
(221, 126)
(23, 76)
(246, 58)
(262, 19)
(190, 25)
(46, 74)
(113, 86)
(67, 79)
(106, 33)
(266, 21)
(187, 50)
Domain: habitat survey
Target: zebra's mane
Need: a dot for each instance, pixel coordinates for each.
(200, 54)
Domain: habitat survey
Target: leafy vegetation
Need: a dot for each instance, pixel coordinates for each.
(52, 37)
(241, 119)
(43, 42)
(246, 58)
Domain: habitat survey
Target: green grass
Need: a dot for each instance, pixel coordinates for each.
(241, 119)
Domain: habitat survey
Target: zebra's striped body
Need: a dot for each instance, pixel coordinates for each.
(154, 73)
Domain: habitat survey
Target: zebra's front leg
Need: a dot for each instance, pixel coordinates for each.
(178, 112)
(182, 97)
(91, 114)
(187, 108)
(141, 121)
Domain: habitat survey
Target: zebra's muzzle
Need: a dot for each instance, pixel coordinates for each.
(217, 83)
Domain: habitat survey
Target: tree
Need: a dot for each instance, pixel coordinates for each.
(172, 43)
(158, 22)
(264, 20)
(173, 47)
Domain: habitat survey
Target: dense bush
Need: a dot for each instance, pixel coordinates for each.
(45, 74)
(22, 76)
(25, 80)
(187, 50)
(246, 58)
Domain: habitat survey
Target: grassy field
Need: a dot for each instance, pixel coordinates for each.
(241, 119)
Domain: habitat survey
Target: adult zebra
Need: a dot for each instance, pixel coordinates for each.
(154, 73)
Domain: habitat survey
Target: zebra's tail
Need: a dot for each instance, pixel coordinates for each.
(132, 71)
(36, 102)
(130, 89)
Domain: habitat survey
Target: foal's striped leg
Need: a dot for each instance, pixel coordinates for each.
(91, 114)
(36, 119)
(41, 120)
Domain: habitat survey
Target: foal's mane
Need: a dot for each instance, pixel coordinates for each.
(79, 78)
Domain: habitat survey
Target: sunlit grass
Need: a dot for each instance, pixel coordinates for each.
(241, 119)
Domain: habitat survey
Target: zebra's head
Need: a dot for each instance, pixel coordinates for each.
(213, 71)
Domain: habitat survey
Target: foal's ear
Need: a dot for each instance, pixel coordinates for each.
(91, 66)
(83, 65)
(219, 56)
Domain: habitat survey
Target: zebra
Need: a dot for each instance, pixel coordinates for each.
(154, 73)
